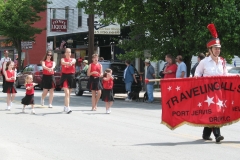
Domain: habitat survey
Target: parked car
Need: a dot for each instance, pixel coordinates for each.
(36, 71)
(119, 85)
(234, 71)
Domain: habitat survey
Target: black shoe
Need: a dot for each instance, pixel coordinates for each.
(207, 138)
(69, 112)
(219, 138)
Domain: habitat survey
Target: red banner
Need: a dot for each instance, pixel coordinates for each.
(58, 25)
(203, 101)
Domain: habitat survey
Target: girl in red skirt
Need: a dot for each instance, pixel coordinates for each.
(68, 78)
(9, 87)
(94, 83)
(29, 98)
(107, 93)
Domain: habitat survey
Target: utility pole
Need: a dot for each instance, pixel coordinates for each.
(90, 37)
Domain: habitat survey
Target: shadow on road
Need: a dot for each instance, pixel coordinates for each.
(200, 141)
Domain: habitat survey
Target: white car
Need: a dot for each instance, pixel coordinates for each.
(234, 71)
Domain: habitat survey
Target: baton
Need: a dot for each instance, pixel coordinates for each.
(152, 80)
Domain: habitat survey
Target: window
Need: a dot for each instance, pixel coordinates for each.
(79, 17)
(66, 12)
(54, 13)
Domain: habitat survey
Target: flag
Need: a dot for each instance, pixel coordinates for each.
(202, 101)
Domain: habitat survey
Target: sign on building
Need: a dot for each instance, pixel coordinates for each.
(58, 25)
(111, 29)
(27, 44)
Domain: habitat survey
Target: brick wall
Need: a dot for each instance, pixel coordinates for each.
(39, 47)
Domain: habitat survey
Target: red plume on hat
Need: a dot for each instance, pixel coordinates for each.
(213, 30)
(215, 40)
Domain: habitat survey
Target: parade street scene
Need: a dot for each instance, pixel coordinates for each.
(119, 80)
(132, 131)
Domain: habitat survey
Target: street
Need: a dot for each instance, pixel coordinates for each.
(131, 132)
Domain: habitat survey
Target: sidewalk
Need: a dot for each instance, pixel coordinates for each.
(156, 95)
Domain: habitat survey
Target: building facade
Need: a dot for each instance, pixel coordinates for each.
(68, 27)
(34, 54)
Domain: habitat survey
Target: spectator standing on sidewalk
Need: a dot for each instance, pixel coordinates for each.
(200, 57)
(129, 77)
(85, 66)
(171, 67)
(5, 59)
(182, 68)
(150, 75)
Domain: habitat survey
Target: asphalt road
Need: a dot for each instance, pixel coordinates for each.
(131, 132)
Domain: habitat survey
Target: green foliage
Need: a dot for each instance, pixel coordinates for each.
(17, 19)
(174, 26)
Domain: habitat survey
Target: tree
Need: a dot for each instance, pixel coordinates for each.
(173, 26)
(17, 19)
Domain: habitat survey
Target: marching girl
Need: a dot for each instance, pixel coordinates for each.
(68, 77)
(94, 84)
(107, 93)
(29, 97)
(9, 87)
(48, 79)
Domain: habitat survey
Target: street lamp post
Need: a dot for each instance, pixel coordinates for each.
(112, 51)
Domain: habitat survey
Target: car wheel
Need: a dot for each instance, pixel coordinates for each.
(78, 88)
(17, 84)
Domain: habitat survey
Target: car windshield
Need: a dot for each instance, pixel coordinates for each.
(40, 68)
(118, 68)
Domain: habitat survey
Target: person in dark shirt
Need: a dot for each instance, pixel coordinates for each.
(200, 57)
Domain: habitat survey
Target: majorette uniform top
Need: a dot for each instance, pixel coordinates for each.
(29, 91)
(68, 69)
(95, 67)
(108, 84)
(48, 64)
(10, 74)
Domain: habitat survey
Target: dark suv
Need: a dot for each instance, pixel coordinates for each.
(119, 85)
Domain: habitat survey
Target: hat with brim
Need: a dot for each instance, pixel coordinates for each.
(147, 61)
(215, 41)
(85, 61)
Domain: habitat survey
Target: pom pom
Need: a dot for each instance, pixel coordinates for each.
(146, 81)
(213, 30)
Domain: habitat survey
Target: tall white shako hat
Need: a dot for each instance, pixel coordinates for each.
(215, 41)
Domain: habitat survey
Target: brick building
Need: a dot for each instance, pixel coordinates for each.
(38, 49)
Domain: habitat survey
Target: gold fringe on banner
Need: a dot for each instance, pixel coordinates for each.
(200, 125)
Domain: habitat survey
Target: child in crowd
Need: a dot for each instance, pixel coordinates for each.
(107, 93)
(29, 98)
(9, 87)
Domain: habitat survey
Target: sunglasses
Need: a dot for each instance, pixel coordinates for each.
(49, 55)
